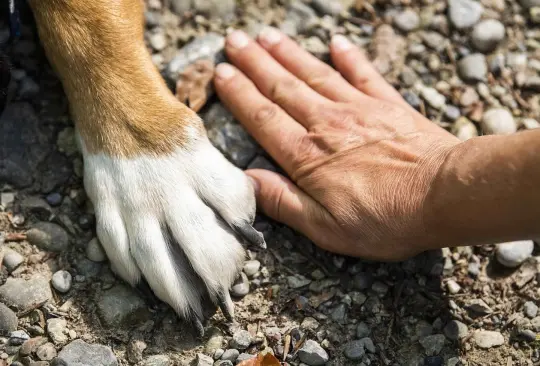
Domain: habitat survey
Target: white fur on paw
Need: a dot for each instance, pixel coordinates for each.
(168, 219)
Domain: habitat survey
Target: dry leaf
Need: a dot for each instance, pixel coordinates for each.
(194, 84)
(261, 360)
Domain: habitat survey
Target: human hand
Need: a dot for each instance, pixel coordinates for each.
(361, 160)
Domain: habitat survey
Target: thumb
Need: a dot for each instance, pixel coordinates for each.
(281, 200)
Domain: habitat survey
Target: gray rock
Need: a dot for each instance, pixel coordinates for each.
(18, 337)
(300, 17)
(530, 309)
(56, 329)
(339, 313)
(411, 98)
(61, 281)
(354, 350)
(464, 13)
(12, 260)
(297, 281)
(241, 340)
(204, 47)
(240, 287)
(533, 82)
(28, 88)
(464, 129)
(157, 40)
(487, 35)
(228, 136)
(498, 121)
(312, 354)
(46, 352)
(433, 97)
(479, 307)
(219, 352)
(94, 251)
(527, 335)
(433, 344)
(327, 7)
(434, 40)
(452, 112)
(36, 207)
(368, 344)
(473, 67)
(223, 9)
(487, 339)
(121, 305)
(223, 363)
(8, 319)
(527, 4)
(455, 330)
(251, 267)
(80, 353)
(407, 20)
(157, 360)
(88, 268)
(25, 295)
(512, 254)
(230, 355)
(48, 236)
(214, 342)
(203, 360)
(362, 330)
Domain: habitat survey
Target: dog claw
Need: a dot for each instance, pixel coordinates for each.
(226, 305)
(251, 235)
(198, 326)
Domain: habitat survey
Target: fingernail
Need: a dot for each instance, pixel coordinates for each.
(224, 71)
(270, 36)
(341, 43)
(238, 39)
(255, 184)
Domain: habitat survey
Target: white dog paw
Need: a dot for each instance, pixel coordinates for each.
(175, 221)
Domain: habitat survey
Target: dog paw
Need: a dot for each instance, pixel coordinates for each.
(176, 221)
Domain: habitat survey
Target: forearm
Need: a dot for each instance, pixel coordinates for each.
(487, 191)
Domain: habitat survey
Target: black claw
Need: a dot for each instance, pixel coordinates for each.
(226, 306)
(199, 329)
(144, 288)
(250, 234)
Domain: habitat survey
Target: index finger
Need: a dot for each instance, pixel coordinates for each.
(276, 131)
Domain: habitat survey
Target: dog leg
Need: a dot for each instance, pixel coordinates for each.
(169, 207)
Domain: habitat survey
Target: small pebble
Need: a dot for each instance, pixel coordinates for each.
(54, 199)
(312, 354)
(12, 260)
(328, 7)
(8, 319)
(158, 41)
(94, 251)
(61, 281)
(354, 350)
(498, 121)
(251, 267)
(297, 281)
(46, 352)
(530, 309)
(362, 330)
(473, 67)
(487, 339)
(203, 360)
(407, 20)
(455, 330)
(240, 287)
(512, 254)
(452, 112)
(464, 13)
(453, 287)
(241, 340)
(487, 35)
(230, 355)
(433, 97)
(433, 344)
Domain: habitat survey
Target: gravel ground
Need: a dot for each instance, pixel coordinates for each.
(471, 67)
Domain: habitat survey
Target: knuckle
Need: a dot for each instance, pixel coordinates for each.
(265, 113)
(320, 78)
(283, 88)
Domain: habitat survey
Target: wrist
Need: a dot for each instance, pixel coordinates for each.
(486, 191)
